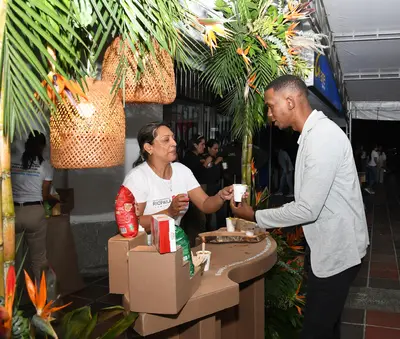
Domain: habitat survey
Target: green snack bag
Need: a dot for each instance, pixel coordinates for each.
(47, 209)
(183, 241)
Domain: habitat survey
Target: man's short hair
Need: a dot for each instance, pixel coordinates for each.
(288, 81)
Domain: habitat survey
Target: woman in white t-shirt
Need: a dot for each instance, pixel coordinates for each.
(31, 177)
(162, 186)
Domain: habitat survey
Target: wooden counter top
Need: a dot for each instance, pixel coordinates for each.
(231, 264)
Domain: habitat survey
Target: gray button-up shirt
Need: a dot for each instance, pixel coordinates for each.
(328, 201)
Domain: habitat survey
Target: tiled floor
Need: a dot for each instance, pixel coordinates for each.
(373, 306)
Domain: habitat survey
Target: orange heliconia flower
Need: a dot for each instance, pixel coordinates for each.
(262, 42)
(291, 32)
(39, 298)
(244, 53)
(212, 28)
(258, 197)
(67, 89)
(251, 80)
(277, 231)
(253, 167)
(250, 83)
(298, 11)
(294, 51)
(299, 298)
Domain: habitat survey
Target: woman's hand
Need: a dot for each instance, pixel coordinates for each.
(226, 193)
(219, 159)
(178, 204)
(208, 161)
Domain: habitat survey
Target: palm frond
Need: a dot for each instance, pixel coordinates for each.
(265, 71)
(141, 22)
(30, 28)
(224, 69)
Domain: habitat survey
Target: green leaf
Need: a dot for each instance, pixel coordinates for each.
(44, 326)
(74, 323)
(109, 312)
(121, 326)
(89, 328)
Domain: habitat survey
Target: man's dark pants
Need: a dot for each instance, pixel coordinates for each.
(325, 301)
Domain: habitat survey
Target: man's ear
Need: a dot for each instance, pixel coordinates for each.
(290, 102)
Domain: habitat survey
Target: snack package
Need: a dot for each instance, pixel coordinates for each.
(125, 214)
(163, 233)
(183, 241)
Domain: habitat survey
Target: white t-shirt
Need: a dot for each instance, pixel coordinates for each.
(374, 154)
(27, 184)
(157, 193)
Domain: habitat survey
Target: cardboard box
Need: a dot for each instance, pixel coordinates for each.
(163, 233)
(159, 284)
(118, 248)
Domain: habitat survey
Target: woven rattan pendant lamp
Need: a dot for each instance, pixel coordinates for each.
(90, 134)
(156, 83)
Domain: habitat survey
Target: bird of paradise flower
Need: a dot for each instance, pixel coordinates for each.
(298, 11)
(38, 296)
(299, 300)
(213, 28)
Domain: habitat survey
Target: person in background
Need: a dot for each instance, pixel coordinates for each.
(213, 175)
(162, 186)
(232, 155)
(372, 170)
(286, 166)
(31, 177)
(328, 204)
(381, 166)
(364, 160)
(194, 158)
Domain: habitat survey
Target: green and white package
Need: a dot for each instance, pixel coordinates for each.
(183, 241)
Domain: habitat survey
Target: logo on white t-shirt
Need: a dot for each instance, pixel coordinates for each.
(161, 203)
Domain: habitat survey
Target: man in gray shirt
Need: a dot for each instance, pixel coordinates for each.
(328, 204)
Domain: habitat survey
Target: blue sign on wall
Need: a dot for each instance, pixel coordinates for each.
(324, 81)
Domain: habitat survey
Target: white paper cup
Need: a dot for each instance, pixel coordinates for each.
(224, 165)
(207, 255)
(229, 225)
(238, 191)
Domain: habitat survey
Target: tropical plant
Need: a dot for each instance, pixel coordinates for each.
(76, 324)
(81, 323)
(284, 283)
(251, 43)
(38, 295)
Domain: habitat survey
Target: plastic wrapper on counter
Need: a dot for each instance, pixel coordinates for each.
(125, 213)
